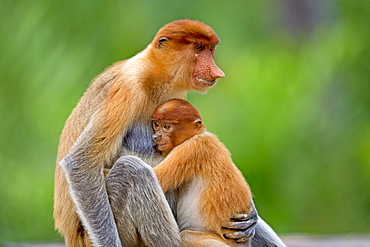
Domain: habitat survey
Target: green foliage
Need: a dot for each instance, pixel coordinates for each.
(293, 108)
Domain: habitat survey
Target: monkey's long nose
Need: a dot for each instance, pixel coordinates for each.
(157, 138)
(216, 72)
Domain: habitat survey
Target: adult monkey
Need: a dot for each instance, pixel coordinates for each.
(111, 120)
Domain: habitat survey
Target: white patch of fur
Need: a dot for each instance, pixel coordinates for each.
(188, 215)
(135, 64)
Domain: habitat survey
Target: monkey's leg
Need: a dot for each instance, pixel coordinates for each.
(191, 238)
(141, 211)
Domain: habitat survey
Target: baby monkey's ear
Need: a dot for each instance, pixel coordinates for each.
(198, 123)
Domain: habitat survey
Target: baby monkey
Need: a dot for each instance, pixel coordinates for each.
(197, 165)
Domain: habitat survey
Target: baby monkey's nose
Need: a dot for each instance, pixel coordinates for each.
(157, 138)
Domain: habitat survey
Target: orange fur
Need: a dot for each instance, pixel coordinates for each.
(124, 94)
(203, 157)
(201, 239)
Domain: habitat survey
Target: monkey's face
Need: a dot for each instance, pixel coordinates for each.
(162, 136)
(187, 49)
(195, 68)
(205, 72)
(169, 134)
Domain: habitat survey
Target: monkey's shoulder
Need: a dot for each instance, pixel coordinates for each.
(108, 73)
(205, 146)
(210, 141)
(123, 74)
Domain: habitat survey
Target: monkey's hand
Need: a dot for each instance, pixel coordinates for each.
(244, 225)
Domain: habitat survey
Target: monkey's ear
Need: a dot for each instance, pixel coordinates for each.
(198, 123)
(161, 41)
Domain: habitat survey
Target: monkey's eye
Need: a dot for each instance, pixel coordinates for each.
(161, 41)
(199, 48)
(167, 127)
(155, 125)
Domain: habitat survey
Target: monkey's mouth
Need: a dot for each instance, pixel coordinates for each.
(161, 146)
(205, 83)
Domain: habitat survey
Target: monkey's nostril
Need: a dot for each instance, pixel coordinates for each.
(156, 138)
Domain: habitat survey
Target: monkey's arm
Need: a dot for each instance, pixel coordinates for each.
(95, 148)
(87, 189)
(171, 173)
(179, 165)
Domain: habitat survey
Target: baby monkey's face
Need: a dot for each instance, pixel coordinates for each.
(168, 134)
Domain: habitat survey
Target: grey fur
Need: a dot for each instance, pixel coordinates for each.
(136, 197)
(91, 203)
(88, 193)
(133, 193)
(138, 142)
(265, 236)
(138, 138)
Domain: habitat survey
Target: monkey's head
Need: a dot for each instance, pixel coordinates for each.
(174, 122)
(188, 48)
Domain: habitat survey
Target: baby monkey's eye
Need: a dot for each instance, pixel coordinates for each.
(155, 125)
(167, 126)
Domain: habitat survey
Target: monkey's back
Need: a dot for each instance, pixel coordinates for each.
(218, 188)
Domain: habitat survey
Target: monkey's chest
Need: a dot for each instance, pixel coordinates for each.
(138, 142)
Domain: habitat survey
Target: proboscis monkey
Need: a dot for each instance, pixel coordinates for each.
(127, 206)
(210, 187)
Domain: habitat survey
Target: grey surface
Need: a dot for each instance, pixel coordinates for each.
(347, 240)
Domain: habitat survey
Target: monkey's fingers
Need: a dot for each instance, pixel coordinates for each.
(241, 236)
(241, 240)
(237, 225)
(244, 217)
(243, 224)
(253, 214)
(244, 230)
(240, 217)
(235, 235)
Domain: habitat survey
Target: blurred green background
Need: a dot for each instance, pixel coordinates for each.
(294, 108)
